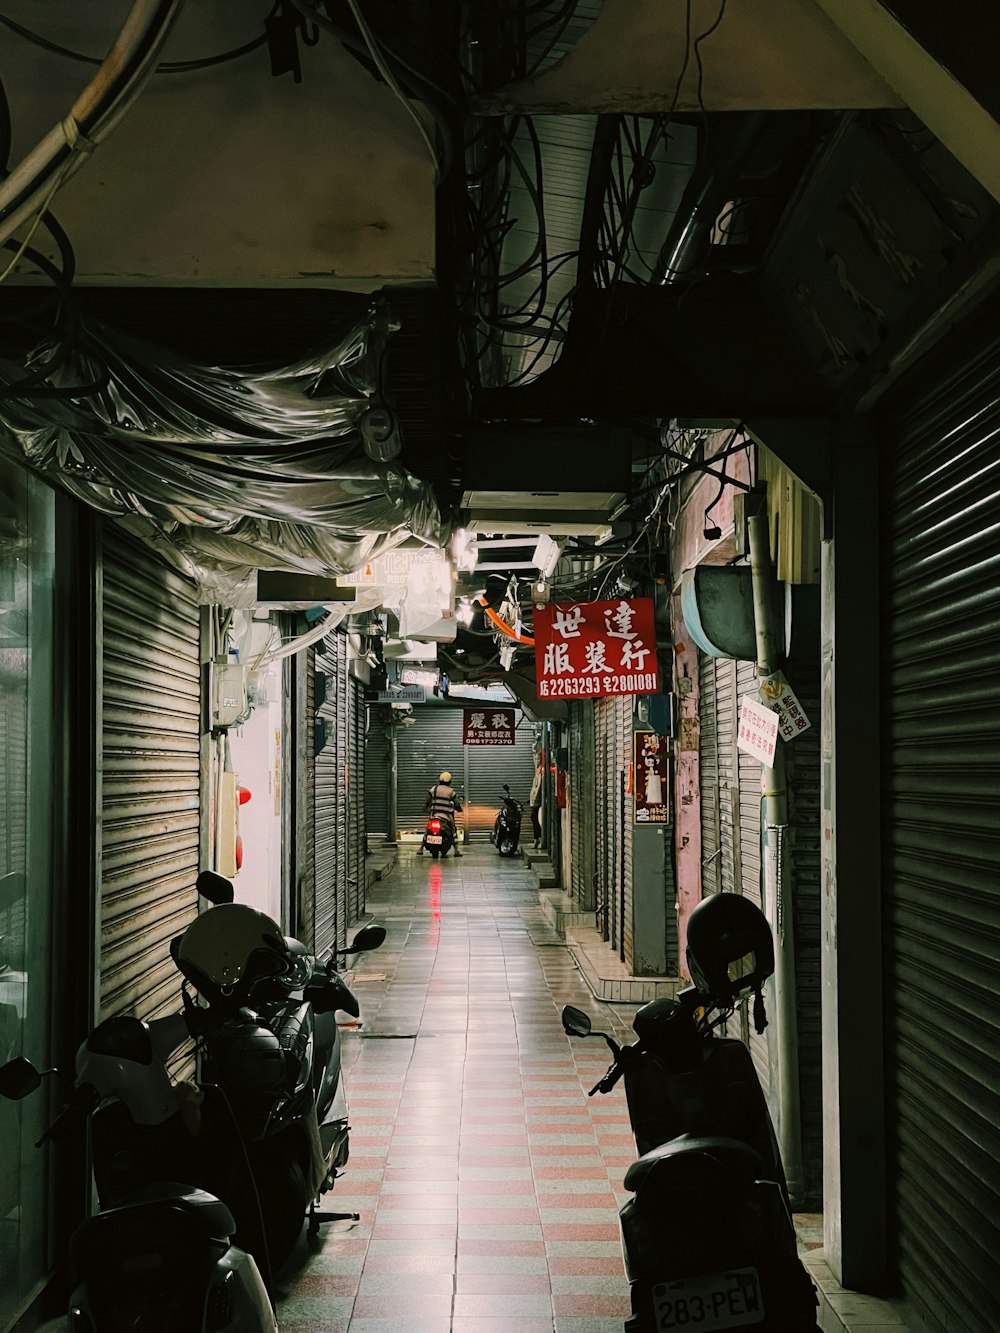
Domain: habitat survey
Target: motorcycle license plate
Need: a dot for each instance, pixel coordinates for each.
(711, 1300)
(434, 840)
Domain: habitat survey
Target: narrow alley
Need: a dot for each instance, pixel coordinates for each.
(487, 1182)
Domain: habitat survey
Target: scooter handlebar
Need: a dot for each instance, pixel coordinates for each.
(609, 1080)
(84, 1099)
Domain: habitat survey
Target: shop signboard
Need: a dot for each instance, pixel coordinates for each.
(488, 726)
(588, 650)
(651, 787)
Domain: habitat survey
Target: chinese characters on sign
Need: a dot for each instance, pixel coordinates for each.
(488, 726)
(758, 734)
(586, 650)
(652, 791)
(781, 697)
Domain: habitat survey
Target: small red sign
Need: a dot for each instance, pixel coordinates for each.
(586, 650)
(488, 726)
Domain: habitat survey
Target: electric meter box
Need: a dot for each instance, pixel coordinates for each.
(229, 693)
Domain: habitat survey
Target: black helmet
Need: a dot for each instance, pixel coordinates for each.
(730, 951)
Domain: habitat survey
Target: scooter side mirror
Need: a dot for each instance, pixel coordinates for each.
(575, 1022)
(216, 888)
(368, 938)
(506, 789)
(18, 1077)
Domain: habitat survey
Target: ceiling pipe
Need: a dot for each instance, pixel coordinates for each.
(732, 144)
(32, 184)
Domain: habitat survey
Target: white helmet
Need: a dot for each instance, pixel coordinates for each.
(227, 948)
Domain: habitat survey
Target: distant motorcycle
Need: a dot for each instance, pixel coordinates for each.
(506, 835)
(439, 836)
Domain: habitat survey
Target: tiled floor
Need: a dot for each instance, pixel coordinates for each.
(487, 1182)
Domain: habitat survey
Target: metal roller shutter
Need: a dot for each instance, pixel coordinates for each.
(331, 824)
(726, 714)
(377, 776)
(708, 768)
(941, 841)
(302, 775)
(342, 729)
(488, 767)
(355, 794)
(150, 827)
(747, 850)
(803, 778)
(577, 812)
(625, 734)
(583, 835)
(602, 813)
(430, 745)
(433, 743)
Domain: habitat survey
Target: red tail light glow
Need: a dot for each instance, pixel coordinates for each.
(434, 825)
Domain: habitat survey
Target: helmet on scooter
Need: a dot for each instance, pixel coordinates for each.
(229, 947)
(730, 951)
(444, 777)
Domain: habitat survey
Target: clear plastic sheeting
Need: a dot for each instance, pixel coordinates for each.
(225, 471)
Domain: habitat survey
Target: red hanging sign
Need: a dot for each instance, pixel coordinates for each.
(586, 650)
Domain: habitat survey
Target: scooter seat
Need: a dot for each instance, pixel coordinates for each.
(731, 1154)
(211, 1214)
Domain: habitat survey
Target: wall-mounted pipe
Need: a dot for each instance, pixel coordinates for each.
(778, 897)
(117, 83)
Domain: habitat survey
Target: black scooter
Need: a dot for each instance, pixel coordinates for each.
(707, 1236)
(506, 834)
(271, 1042)
(160, 1255)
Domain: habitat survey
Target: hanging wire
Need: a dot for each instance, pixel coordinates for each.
(165, 67)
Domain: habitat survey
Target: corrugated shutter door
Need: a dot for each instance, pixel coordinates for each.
(151, 775)
(602, 813)
(582, 785)
(355, 793)
(433, 743)
(488, 767)
(331, 770)
(748, 855)
(803, 779)
(342, 727)
(726, 715)
(377, 771)
(577, 812)
(941, 842)
(708, 769)
(625, 733)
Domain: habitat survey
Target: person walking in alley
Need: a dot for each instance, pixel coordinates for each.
(535, 805)
(443, 803)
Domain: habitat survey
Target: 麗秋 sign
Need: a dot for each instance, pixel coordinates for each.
(488, 726)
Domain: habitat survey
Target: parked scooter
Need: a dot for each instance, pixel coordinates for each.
(269, 1036)
(707, 1237)
(506, 833)
(159, 1256)
(439, 836)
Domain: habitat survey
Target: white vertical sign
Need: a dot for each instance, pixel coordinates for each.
(758, 733)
